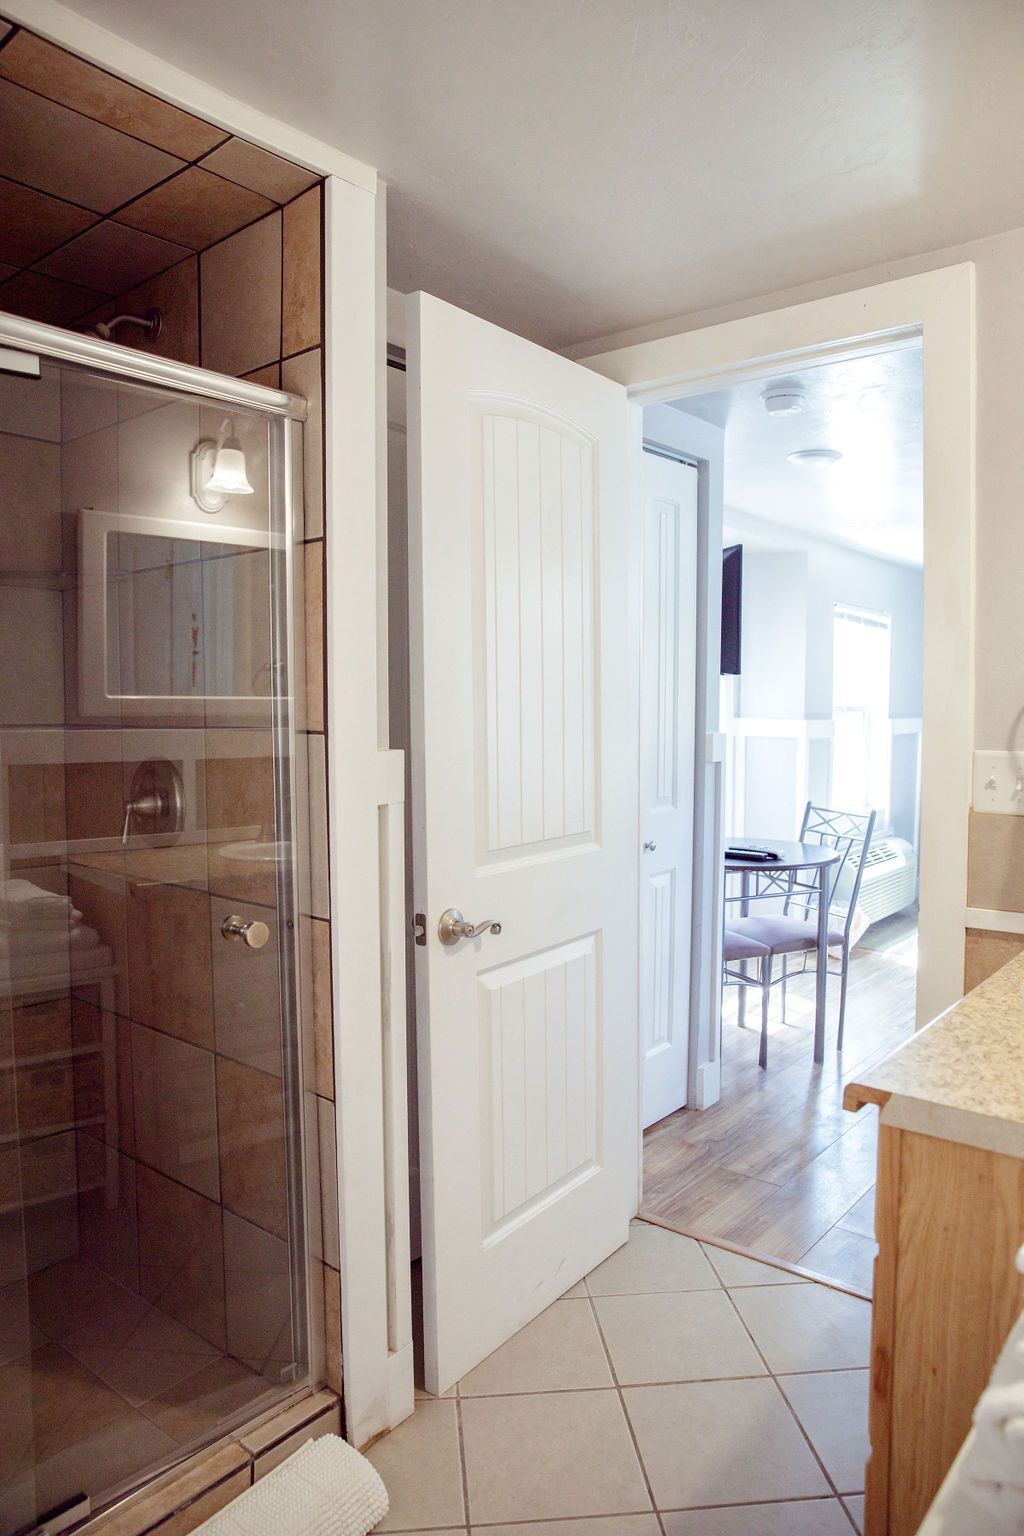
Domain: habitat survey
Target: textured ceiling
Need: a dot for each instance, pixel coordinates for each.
(571, 167)
(869, 410)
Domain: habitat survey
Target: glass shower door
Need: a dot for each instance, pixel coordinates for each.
(152, 1255)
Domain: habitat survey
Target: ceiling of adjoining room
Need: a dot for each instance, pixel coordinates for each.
(103, 186)
(869, 410)
(569, 168)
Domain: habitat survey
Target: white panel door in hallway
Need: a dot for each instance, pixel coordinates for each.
(524, 577)
(667, 712)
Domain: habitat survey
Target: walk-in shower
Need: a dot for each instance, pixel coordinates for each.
(153, 1254)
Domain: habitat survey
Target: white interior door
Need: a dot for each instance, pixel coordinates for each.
(524, 560)
(667, 715)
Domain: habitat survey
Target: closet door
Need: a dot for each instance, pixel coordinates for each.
(524, 640)
(667, 743)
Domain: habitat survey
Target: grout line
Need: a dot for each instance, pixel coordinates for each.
(792, 1411)
(624, 1409)
(462, 1456)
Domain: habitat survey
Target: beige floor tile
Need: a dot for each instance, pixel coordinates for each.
(419, 1462)
(740, 1438)
(604, 1525)
(560, 1349)
(734, 1269)
(812, 1328)
(579, 1289)
(549, 1457)
(844, 1256)
(686, 1336)
(654, 1259)
(855, 1508)
(832, 1406)
(810, 1517)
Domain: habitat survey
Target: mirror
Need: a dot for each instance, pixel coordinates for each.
(172, 615)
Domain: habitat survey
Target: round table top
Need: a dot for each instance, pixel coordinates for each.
(791, 855)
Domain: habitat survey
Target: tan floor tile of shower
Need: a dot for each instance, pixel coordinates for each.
(121, 1387)
(197, 1405)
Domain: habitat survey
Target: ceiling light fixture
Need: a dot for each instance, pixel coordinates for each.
(784, 399)
(217, 470)
(814, 458)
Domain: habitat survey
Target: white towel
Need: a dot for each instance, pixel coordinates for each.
(24, 905)
(37, 941)
(324, 1489)
(994, 1469)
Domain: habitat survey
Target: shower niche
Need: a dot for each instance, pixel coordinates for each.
(153, 1246)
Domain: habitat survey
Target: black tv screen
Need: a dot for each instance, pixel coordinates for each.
(732, 604)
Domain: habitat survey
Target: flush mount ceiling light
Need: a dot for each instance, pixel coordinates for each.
(814, 458)
(217, 470)
(784, 399)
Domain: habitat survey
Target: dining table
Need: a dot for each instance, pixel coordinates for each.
(775, 880)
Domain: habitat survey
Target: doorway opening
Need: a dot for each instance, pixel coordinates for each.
(819, 712)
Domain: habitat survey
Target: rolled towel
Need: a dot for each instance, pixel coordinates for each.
(324, 1489)
(1000, 1413)
(994, 1465)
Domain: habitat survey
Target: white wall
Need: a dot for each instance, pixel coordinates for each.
(999, 298)
(789, 595)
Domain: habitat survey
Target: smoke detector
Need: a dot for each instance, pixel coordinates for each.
(813, 458)
(784, 400)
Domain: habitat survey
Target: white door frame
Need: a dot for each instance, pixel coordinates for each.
(938, 307)
(704, 445)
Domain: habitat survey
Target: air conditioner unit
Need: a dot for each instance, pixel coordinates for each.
(889, 881)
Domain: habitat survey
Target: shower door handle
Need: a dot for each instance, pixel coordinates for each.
(255, 933)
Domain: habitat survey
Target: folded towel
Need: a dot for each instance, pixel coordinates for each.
(24, 905)
(63, 964)
(37, 941)
(324, 1489)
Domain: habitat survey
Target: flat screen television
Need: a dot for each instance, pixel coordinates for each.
(732, 604)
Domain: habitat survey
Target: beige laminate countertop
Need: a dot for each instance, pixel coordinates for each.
(960, 1078)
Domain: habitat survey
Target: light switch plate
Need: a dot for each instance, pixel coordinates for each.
(999, 783)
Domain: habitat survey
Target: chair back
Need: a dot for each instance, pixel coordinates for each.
(850, 833)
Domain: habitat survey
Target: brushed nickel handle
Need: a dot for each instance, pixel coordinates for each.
(650, 847)
(254, 933)
(453, 927)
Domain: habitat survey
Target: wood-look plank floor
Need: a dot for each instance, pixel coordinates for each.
(778, 1166)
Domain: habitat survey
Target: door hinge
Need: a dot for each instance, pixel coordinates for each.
(419, 928)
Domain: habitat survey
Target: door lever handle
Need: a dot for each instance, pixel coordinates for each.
(453, 927)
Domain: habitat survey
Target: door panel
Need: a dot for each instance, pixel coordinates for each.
(668, 711)
(524, 561)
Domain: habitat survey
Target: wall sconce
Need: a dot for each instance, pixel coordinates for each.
(217, 470)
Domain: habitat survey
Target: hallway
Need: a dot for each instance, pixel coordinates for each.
(778, 1166)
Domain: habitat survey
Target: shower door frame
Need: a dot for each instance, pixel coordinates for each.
(284, 414)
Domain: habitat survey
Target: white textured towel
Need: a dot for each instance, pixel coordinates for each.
(325, 1489)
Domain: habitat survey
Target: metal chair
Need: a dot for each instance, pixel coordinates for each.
(794, 930)
(737, 951)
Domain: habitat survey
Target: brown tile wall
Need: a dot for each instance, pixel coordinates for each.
(200, 1219)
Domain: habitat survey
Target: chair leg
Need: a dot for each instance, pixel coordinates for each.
(842, 998)
(766, 997)
(782, 989)
(741, 1001)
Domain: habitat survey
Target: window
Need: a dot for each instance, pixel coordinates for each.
(861, 660)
